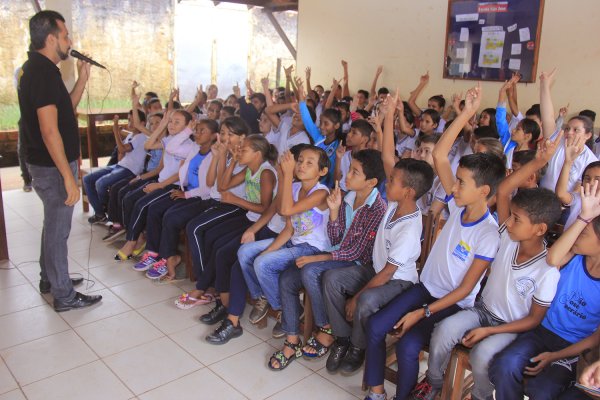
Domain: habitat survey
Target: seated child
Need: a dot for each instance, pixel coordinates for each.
(132, 156)
(435, 103)
(590, 174)
(233, 131)
(303, 204)
(454, 268)
(525, 134)
(175, 152)
(548, 354)
(579, 128)
(120, 189)
(352, 233)
(195, 180)
(325, 136)
(289, 129)
(518, 291)
(224, 239)
(357, 139)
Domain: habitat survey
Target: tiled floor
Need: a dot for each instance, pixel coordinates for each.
(135, 344)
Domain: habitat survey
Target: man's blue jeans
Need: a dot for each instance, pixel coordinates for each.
(49, 185)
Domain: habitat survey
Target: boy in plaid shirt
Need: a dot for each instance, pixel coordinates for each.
(351, 230)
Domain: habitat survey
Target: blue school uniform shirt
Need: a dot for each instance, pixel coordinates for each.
(192, 174)
(155, 156)
(575, 312)
(319, 140)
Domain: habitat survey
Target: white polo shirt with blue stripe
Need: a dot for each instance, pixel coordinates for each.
(455, 249)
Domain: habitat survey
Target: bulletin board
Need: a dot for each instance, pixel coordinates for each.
(491, 40)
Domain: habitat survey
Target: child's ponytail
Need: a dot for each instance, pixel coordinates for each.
(258, 143)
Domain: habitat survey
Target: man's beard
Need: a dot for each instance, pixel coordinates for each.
(63, 56)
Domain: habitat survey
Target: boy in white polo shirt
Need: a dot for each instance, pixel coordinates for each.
(454, 268)
(519, 289)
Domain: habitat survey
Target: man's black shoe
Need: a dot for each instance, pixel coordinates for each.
(353, 360)
(336, 355)
(225, 332)
(45, 285)
(217, 314)
(79, 301)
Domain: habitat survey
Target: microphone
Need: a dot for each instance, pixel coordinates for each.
(76, 54)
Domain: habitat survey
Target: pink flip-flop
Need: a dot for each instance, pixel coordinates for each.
(185, 301)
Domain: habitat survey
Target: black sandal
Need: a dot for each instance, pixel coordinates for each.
(319, 347)
(282, 359)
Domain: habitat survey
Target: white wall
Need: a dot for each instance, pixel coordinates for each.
(407, 37)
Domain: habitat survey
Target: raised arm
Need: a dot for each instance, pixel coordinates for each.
(546, 106)
(561, 251)
(573, 146)
(308, 72)
(387, 152)
(265, 86)
(345, 88)
(135, 103)
(375, 79)
(83, 74)
(442, 148)
(412, 100)
(122, 148)
(197, 100)
(501, 124)
(331, 98)
(512, 182)
(512, 96)
(154, 141)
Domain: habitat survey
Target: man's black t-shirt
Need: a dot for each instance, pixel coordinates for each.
(41, 85)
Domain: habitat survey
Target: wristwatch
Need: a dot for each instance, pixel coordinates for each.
(427, 310)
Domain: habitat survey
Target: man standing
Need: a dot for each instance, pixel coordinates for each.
(51, 140)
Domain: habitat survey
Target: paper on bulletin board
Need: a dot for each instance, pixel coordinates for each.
(461, 52)
(464, 35)
(524, 35)
(514, 64)
(463, 68)
(467, 17)
(492, 46)
(481, 21)
(515, 48)
(512, 28)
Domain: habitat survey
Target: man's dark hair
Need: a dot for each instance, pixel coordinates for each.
(371, 163)
(41, 25)
(541, 205)
(363, 127)
(487, 169)
(151, 95)
(364, 93)
(383, 90)
(417, 175)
